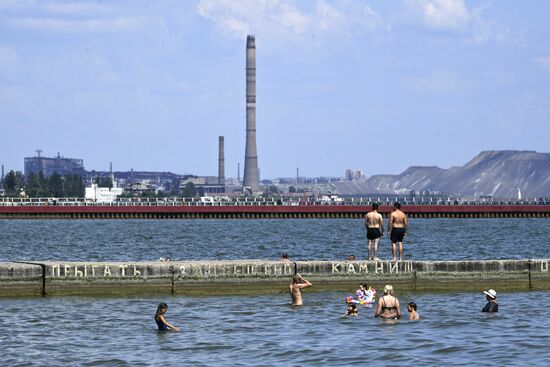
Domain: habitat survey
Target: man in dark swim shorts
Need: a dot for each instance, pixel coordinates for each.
(373, 233)
(397, 234)
(397, 227)
(375, 229)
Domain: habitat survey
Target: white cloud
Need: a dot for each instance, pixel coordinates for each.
(108, 78)
(14, 97)
(483, 31)
(284, 20)
(78, 8)
(543, 61)
(81, 25)
(9, 61)
(8, 57)
(443, 14)
(328, 16)
(454, 16)
(122, 16)
(439, 82)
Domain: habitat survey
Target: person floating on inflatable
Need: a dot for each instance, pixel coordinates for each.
(365, 295)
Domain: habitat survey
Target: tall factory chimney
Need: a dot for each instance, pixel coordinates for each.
(251, 174)
(221, 161)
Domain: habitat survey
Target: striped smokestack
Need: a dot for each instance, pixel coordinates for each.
(251, 173)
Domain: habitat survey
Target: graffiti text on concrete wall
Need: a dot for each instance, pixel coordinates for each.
(187, 270)
(377, 267)
(85, 271)
(198, 270)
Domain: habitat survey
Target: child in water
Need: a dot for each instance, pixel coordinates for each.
(352, 310)
(413, 315)
(361, 292)
(161, 321)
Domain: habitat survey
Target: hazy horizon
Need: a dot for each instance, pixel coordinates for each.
(375, 86)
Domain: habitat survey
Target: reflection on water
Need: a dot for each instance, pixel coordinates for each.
(265, 330)
(134, 240)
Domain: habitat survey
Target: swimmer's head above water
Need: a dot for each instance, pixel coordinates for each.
(374, 206)
(411, 306)
(491, 295)
(352, 309)
(162, 308)
(388, 289)
(397, 205)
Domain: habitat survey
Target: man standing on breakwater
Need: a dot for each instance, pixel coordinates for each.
(374, 223)
(397, 227)
(298, 283)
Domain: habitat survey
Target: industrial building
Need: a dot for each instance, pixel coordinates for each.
(48, 166)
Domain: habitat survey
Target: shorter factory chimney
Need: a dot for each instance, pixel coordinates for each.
(112, 175)
(221, 161)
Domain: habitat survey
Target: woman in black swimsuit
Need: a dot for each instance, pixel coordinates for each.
(388, 305)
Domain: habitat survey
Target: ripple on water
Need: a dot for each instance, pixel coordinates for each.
(264, 330)
(111, 240)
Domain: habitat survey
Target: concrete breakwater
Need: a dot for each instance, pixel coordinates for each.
(259, 276)
(264, 211)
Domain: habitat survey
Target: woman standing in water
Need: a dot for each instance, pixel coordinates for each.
(161, 321)
(298, 283)
(388, 305)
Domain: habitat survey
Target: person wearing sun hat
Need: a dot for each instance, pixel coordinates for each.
(491, 305)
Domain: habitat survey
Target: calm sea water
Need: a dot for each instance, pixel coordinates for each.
(133, 240)
(266, 331)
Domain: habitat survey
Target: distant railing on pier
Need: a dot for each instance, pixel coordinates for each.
(268, 201)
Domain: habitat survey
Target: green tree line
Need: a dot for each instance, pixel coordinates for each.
(36, 185)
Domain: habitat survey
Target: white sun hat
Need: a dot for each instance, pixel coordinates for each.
(491, 293)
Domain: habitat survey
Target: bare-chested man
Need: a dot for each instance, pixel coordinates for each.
(374, 223)
(298, 283)
(397, 227)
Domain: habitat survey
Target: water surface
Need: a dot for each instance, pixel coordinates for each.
(266, 331)
(322, 239)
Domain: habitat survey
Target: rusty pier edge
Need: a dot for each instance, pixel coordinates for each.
(266, 212)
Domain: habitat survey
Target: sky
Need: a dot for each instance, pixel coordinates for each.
(376, 86)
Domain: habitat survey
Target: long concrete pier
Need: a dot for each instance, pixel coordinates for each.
(265, 211)
(37, 278)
